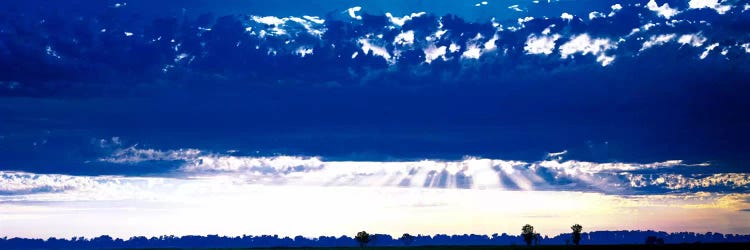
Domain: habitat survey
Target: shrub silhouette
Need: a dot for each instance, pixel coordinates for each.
(407, 239)
(527, 231)
(576, 233)
(363, 238)
(653, 240)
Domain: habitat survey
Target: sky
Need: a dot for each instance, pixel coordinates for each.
(318, 118)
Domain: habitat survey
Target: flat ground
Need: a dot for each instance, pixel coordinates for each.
(582, 247)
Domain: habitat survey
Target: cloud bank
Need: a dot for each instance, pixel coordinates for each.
(355, 47)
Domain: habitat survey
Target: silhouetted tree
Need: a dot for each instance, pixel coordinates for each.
(363, 238)
(407, 239)
(527, 231)
(576, 233)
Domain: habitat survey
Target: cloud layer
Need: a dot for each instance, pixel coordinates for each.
(353, 47)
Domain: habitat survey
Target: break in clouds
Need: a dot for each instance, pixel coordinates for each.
(552, 174)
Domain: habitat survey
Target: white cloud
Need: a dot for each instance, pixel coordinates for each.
(595, 14)
(269, 20)
(566, 16)
(431, 53)
(746, 46)
(515, 7)
(353, 12)
(400, 21)
(695, 40)
(657, 40)
(180, 57)
(472, 52)
(540, 44)
(490, 44)
(303, 51)
(453, 48)
(135, 155)
(583, 44)
(548, 30)
(278, 26)
(404, 38)
(615, 8)
(521, 21)
(708, 49)
(52, 52)
(664, 10)
(272, 166)
(713, 4)
(315, 19)
(681, 182)
(368, 47)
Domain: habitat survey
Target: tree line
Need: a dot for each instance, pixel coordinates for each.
(265, 241)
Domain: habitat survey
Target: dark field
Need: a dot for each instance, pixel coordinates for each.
(556, 247)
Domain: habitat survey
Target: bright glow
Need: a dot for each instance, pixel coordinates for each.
(467, 196)
(220, 206)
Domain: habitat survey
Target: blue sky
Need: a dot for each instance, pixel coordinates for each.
(158, 112)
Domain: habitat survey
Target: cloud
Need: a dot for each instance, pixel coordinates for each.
(712, 4)
(566, 16)
(23, 186)
(353, 12)
(471, 173)
(722, 181)
(657, 40)
(400, 21)
(584, 45)
(540, 44)
(404, 38)
(368, 46)
(133, 154)
(664, 10)
(709, 48)
(225, 49)
(279, 165)
(432, 53)
(695, 40)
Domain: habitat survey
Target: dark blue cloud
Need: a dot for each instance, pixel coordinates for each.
(77, 72)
